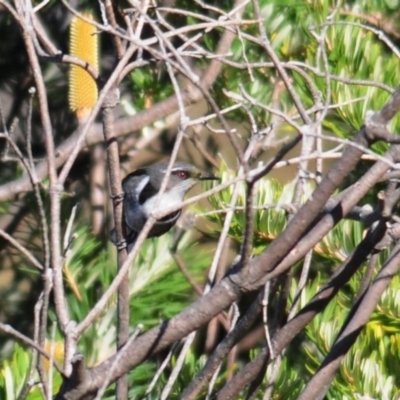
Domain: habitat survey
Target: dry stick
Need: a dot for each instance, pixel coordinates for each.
(367, 277)
(47, 275)
(369, 153)
(317, 304)
(51, 361)
(361, 312)
(97, 193)
(235, 317)
(281, 303)
(308, 142)
(302, 283)
(102, 389)
(242, 327)
(116, 192)
(274, 376)
(379, 21)
(9, 330)
(247, 244)
(228, 219)
(212, 334)
(224, 234)
(279, 318)
(29, 380)
(54, 187)
(321, 115)
(35, 182)
(11, 10)
(161, 369)
(35, 262)
(201, 148)
(182, 126)
(116, 40)
(319, 384)
(185, 271)
(178, 366)
(265, 43)
(321, 54)
(264, 304)
(6, 135)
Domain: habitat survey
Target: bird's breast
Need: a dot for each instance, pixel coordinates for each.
(156, 204)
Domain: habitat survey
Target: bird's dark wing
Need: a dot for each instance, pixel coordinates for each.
(132, 185)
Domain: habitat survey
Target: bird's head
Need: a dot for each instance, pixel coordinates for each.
(182, 178)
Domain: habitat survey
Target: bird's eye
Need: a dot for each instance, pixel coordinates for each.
(182, 174)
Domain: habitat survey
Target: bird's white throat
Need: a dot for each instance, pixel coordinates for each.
(157, 203)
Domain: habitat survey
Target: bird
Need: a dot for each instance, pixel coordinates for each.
(141, 188)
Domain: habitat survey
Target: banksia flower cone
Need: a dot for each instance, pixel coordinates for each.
(83, 91)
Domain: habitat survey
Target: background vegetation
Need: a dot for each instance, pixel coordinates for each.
(281, 282)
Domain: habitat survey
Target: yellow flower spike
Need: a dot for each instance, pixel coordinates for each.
(57, 348)
(83, 91)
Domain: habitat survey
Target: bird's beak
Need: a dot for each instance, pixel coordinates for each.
(204, 176)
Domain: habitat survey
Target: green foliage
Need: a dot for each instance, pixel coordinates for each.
(149, 85)
(353, 52)
(14, 375)
(371, 367)
(154, 280)
(272, 200)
